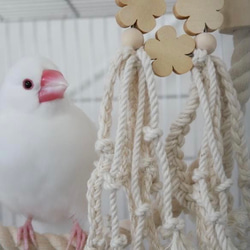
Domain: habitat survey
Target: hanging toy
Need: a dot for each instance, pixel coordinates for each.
(206, 195)
(136, 159)
(158, 182)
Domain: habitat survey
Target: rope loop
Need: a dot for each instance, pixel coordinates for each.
(156, 187)
(215, 217)
(148, 166)
(224, 186)
(96, 244)
(143, 210)
(151, 134)
(104, 146)
(119, 242)
(110, 182)
(199, 174)
(172, 225)
(147, 162)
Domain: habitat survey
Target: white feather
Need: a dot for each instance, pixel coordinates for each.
(46, 150)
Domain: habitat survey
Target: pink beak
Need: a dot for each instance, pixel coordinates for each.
(53, 86)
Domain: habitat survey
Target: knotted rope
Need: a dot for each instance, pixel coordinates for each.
(132, 162)
(207, 194)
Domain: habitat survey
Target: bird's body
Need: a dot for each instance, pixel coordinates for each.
(46, 157)
(43, 166)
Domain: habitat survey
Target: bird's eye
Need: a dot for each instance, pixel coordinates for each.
(27, 84)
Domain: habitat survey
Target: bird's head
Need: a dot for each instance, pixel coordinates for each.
(32, 82)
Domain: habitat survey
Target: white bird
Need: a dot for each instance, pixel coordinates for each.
(46, 149)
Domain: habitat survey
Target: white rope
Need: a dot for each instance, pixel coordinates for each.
(207, 196)
(171, 227)
(211, 141)
(105, 147)
(136, 159)
(133, 162)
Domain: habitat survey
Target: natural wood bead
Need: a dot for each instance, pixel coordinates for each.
(132, 38)
(206, 41)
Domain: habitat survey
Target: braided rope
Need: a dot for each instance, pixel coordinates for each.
(211, 145)
(203, 188)
(132, 162)
(171, 227)
(104, 145)
(181, 188)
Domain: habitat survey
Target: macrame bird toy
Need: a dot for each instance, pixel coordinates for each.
(156, 180)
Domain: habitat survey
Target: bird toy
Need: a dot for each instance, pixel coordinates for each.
(158, 182)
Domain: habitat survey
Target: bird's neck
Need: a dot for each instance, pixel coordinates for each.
(59, 106)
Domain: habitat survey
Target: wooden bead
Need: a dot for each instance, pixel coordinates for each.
(206, 41)
(132, 38)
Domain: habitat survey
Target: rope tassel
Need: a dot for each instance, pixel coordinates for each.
(210, 200)
(133, 162)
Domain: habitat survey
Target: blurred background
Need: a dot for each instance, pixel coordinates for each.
(81, 37)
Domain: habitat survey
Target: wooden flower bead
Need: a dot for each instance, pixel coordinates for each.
(141, 13)
(132, 38)
(169, 52)
(200, 15)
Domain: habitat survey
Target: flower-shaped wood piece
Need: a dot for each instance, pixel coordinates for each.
(141, 13)
(169, 52)
(200, 15)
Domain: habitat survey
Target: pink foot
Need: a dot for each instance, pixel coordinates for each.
(79, 235)
(25, 234)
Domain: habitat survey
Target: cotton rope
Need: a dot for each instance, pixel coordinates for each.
(240, 70)
(207, 195)
(138, 137)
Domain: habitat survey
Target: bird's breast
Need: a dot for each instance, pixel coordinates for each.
(45, 164)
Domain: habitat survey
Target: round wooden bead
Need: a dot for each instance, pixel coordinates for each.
(132, 38)
(206, 41)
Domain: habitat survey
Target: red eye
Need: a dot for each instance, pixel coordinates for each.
(27, 84)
